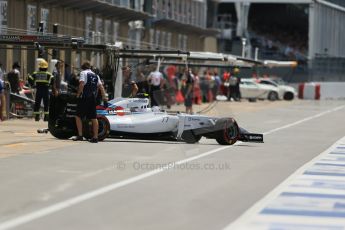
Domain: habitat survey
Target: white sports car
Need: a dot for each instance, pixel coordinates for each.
(251, 90)
(285, 92)
(133, 118)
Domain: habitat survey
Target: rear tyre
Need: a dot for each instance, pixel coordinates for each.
(227, 131)
(60, 131)
(189, 137)
(272, 96)
(103, 128)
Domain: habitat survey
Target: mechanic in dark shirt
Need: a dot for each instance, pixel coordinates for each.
(129, 87)
(13, 78)
(142, 83)
(188, 91)
(89, 84)
(73, 83)
(57, 78)
(2, 100)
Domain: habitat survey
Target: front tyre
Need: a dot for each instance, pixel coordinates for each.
(288, 96)
(189, 137)
(226, 131)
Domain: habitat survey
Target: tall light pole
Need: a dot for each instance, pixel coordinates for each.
(256, 53)
(244, 42)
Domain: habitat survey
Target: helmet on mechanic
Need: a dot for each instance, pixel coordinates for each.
(236, 70)
(43, 64)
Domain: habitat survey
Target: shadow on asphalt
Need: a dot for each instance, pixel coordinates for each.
(169, 142)
(246, 145)
(141, 141)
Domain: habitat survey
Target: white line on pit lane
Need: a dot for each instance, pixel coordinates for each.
(95, 193)
(252, 217)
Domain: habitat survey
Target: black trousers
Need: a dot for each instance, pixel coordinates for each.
(14, 83)
(238, 92)
(86, 107)
(42, 94)
(232, 92)
(156, 95)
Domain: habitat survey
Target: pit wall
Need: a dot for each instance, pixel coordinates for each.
(321, 90)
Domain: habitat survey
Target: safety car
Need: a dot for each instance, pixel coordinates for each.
(251, 90)
(285, 91)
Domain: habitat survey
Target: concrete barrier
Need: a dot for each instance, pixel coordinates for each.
(321, 90)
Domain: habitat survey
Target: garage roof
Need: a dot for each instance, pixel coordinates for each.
(186, 27)
(119, 13)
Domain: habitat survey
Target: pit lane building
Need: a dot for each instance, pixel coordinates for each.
(145, 24)
(318, 23)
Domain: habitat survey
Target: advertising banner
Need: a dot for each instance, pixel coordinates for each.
(45, 19)
(31, 19)
(3, 17)
(88, 29)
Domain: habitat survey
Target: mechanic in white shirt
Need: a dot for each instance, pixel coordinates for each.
(156, 81)
(89, 84)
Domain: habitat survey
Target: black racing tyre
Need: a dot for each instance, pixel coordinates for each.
(272, 96)
(61, 131)
(189, 137)
(288, 96)
(226, 131)
(103, 128)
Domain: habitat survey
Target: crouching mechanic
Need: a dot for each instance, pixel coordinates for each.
(89, 84)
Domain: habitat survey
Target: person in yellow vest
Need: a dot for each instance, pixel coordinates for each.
(238, 82)
(41, 80)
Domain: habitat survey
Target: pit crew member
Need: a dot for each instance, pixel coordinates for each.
(129, 87)
(156, 81)
(89, 84)
(2, 100)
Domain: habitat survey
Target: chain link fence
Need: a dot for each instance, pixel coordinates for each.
(323, 68)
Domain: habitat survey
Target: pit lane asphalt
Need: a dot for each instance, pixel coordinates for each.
(189, 197)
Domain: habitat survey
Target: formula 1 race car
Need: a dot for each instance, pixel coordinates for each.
(134, 118)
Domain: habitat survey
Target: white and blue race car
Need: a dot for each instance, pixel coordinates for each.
(134, 118)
